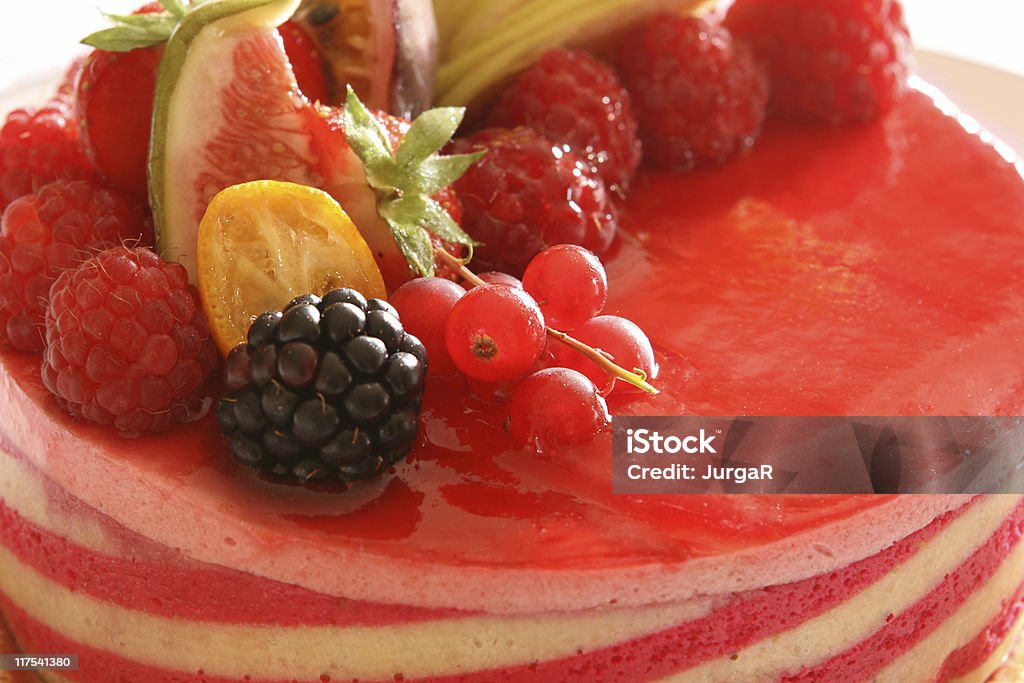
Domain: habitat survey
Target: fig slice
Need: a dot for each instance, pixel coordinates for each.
(385, 49)
(228, 110)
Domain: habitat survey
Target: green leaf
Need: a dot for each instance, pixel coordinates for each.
(366, 136)
(428, 134)
(406, 179)
(437, 173)
(157, 21)
(133, 31)
(441, 224)
(124, 39)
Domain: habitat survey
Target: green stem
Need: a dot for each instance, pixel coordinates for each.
(636, 378)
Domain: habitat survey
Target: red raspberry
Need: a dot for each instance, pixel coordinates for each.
(573, 98)
(127, 343)
(48, 232)
(839, 61)
(528, 193)
(37, 147)
(699, 96)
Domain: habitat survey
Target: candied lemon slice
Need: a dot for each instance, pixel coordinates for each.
(263, 243)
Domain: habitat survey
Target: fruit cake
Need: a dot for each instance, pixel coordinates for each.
(303, 440)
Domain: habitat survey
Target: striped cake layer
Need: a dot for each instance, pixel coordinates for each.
(942, 599)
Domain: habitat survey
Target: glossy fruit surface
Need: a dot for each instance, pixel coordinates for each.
(527, 193)
(495, 333)
(569, 284)
(265, 242)
(114, 111)
(38, 146)
(618, 338)
(425, 304)
(571, 97)
(555, 407)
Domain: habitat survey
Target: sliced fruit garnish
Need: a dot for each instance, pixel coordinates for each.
(263, 243)
(384, 49)
(486, 43)
(227, 111)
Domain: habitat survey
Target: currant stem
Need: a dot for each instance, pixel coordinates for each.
(637, 379)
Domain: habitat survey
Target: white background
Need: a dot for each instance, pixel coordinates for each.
(38, 37)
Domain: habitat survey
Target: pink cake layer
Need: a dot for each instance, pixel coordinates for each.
(127, 579)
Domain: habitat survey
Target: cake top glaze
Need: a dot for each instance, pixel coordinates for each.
(871, 270)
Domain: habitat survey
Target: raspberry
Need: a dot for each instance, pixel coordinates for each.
(327, 391)
(840, 61)
(48, 232)
(528, 193)
(37, 147)
(126, 342)
(699, 96)
(573, 98)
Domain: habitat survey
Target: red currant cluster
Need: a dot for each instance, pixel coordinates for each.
(511, 340)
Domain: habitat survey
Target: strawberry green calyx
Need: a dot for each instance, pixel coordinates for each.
(406, 179)
(134, 31)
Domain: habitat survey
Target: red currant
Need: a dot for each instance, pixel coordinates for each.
(493, 277)
(569, 284)
(556, 406)
(619, 339)
(424, 305)
(495, 333)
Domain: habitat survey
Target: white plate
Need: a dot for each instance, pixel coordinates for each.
(994, 98)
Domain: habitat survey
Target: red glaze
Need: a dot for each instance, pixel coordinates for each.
(862, 271)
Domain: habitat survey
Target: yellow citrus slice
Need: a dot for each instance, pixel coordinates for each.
(263, 243)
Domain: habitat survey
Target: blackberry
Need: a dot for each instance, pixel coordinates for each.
(328, 389)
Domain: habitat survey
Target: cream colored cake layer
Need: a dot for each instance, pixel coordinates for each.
(853, 621)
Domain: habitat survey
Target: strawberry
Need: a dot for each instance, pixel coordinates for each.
(355, 184)
(114, 110)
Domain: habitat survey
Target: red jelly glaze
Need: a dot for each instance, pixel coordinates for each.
(853, 271)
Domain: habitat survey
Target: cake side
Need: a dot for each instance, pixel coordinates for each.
(75, 580)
